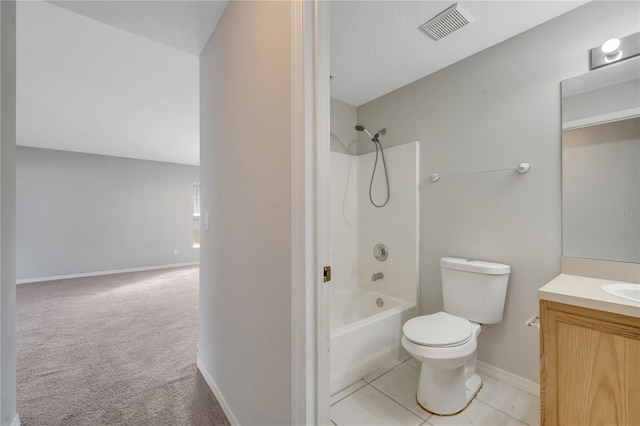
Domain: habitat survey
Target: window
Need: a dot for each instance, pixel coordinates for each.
(196, 215)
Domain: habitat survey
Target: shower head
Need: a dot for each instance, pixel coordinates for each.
(360, 127)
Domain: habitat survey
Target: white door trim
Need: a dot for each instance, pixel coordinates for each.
(310, 211)
(323, 180)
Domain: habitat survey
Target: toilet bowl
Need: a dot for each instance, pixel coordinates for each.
(448, 380)
(445, 343)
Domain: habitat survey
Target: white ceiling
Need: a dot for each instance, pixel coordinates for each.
(376, 46)
(183, 24)
(121, 77)
(86, 86)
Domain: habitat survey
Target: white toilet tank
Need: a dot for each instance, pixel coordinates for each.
(474, 289)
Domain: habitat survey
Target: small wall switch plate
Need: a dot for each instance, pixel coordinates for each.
(176, 252)
(206, 221)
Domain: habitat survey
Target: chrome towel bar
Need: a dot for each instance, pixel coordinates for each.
(521, 168)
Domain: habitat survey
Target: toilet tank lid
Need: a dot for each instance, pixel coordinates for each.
(476, 266)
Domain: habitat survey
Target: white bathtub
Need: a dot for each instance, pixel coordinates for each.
(364, 337)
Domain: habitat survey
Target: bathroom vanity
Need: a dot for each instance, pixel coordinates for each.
(590, 354)
(590, 335)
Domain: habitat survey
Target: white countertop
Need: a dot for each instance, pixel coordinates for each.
(585, 292)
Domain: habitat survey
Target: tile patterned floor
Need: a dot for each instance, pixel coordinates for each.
(388, 398)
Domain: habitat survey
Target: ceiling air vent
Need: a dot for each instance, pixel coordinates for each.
(447, 22)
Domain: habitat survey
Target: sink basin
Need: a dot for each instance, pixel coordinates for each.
(623, 290)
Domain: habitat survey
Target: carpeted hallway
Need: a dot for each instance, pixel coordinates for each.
(112, 350)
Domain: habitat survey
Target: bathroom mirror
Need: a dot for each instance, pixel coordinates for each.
(601, 164)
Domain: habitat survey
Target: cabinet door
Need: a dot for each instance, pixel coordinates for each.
(590, 367)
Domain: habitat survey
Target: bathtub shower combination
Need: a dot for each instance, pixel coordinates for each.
(374, 210)
(366, 331)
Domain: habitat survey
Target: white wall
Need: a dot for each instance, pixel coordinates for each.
(83, 213)
(344, 221)
(495, 109)
(246, 147)
(87, 86)
(394, 225)
(344, 197)
(7, 214)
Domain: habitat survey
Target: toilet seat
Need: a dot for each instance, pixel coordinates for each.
(438, 330)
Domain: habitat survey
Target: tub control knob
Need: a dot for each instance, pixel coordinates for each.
(380, 252)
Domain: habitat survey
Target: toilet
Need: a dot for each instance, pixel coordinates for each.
(445, 342)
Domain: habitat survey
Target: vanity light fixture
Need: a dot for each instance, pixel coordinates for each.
(611, 49)
(615, 50)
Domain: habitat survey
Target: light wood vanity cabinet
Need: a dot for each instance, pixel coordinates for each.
(589, 366)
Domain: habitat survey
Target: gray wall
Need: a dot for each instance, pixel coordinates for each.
(7, 212)
(343, 128)
(492, 110)
(82, 213)
(246, 271)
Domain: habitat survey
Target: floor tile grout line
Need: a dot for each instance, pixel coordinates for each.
(430, 415)
(499, 410)
(425, 422)
(407, 363)
(401, 404)
(396, 402)
(524, 392)
(365, 383)
(382, 374)
(350, 393)
(503, 412)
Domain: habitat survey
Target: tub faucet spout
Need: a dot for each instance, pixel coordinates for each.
(377, 276)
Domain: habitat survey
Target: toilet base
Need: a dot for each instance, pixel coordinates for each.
(452, 414)
(447, 392)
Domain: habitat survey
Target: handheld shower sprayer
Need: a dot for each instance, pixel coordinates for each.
(360, 128)
(374, 138)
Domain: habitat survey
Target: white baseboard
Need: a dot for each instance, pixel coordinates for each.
(216, 392)
(509, 378)
(16, 421)
(113, 271)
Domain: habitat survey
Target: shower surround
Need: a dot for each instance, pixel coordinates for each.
(365, 336)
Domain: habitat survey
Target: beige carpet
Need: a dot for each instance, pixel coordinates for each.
(112, 350)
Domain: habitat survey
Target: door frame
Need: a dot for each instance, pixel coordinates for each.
(310, 131)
